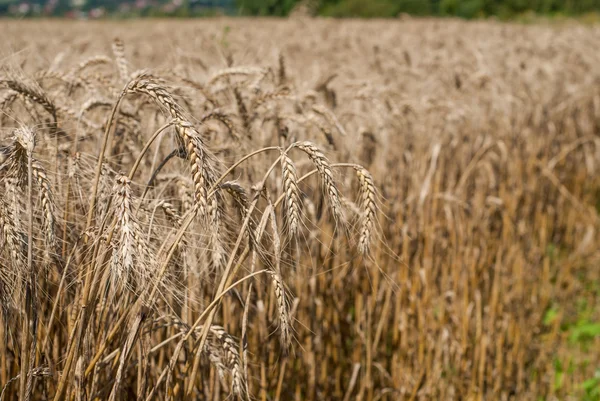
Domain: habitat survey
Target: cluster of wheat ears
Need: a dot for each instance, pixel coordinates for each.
(151, 247)
(373, 210)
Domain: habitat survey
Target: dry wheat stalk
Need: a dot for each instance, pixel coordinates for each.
(202, 163)
(368, 208)
(322, 127)
(131, 265)
(233, 71)
(322, 164)
(283, 315)
(307, 121)
(202, 170)
(93, 103)
(34, 93)
(106, 186)
(199, 87)
(256, 84)
(92, 61)
(216, 241)
(283, 310)
(47, 203)
(243, 111)
(292, 194)
(118, 49)
(13, 239)
(225, 119)
(242, 204)
(330, 117)
(40, 371)
(277, 94)
(221, 349)
(13, 236)
(149, 86)
(70, 81)
(232, 356)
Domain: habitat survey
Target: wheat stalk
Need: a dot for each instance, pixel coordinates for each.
(89, 62)
(34, 93)
(234, 71)
(322, 164)
(47, 203)
(368, 208)
(242, 204)
(131, 262)
(118, 49)
(292, 194)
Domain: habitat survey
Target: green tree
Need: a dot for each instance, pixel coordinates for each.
(360, 8)
(265, 7)
(423, 7)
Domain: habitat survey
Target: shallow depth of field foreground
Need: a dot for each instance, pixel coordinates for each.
(299, 210)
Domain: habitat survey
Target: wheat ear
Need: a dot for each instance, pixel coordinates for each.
(324, 169)
(118, 49)
(292, 194)
(368, 208)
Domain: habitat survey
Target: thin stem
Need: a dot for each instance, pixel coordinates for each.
(58, 294)
(189, 218)
(192, 329)
(146, 147)
(236, 164)
(107, 132)
(88, 282)
(24, 379)
(176, 152)
(225, 275)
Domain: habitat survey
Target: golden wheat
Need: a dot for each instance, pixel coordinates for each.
(298, 209)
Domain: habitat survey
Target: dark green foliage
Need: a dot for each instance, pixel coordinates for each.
(359, 8)
(458, 8)
(464, 9)
(265, 7)
(334, 8)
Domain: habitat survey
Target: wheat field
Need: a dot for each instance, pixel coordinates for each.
(299, 209)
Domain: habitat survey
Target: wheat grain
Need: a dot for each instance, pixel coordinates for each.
(47, 203)
(131, 265)
(292, 194)
(322, 164)
(368, 208)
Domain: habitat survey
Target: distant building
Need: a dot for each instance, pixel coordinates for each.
(102, 8)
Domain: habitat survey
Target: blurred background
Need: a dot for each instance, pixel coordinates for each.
(504, 9)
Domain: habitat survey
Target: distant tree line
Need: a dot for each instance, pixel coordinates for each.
(334, 8)
(390, 8)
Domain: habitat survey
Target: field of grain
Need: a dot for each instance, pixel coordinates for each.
(299, 210)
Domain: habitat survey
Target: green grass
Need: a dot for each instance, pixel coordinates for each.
(582, 330)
